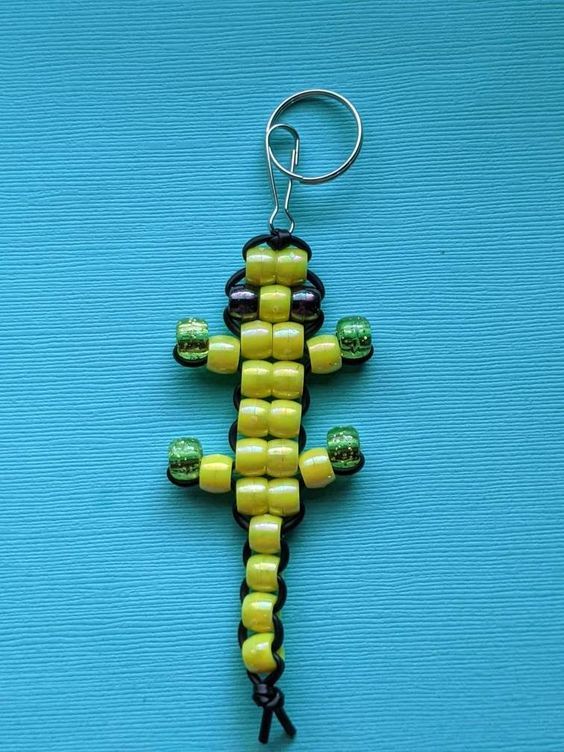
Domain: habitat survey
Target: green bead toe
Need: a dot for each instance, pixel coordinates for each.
(343, 447)
(192, 339)
(184, 456)
(355, 337)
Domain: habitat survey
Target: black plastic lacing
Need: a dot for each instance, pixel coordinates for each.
(316, 282)
(188, 363)
(351, 470)
(233, 324)
(312, 327)
(181, 483)
(306, 400)
(233, 279)
(232, 436)
(358, 361)
(277, 240)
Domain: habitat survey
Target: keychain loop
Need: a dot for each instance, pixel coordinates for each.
(289, 102)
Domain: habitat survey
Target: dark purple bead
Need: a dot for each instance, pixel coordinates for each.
(306, 304)
(243, 302)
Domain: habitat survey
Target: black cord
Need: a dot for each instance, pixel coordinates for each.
(233, 279)
(358, 361)
(316, 282)
(277, 240)
(233, 435)
(232, 324)
(181, 483)
(306, 400)
(188, 363)
(237, 396)
(312, 327)
(351, 470)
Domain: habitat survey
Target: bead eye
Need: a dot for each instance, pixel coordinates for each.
(306, 304)
(243, 302)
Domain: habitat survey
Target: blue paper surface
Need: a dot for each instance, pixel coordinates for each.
(425, 604)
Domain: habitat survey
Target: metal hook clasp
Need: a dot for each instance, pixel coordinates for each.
(291, 173)
(295, 158)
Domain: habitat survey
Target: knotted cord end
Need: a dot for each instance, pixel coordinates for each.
(271, 700)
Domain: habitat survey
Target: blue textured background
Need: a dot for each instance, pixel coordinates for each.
(426, 604)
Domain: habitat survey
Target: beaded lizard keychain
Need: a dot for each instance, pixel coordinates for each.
(274, 306)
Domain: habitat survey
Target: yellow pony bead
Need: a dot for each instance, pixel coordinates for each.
(282, 458)
(250, 457)
(215, 473)
(291, 266)
(264, 533)
(287, 379)
(316, 468)
(324, 353)
(257, 610)
(260, 266)
(284, 496)
(257, 653)
(287, 340)
(256, 339)
(252, 419)
(262, 572)
(251, 495)
(274, 303)
(284, 419)
(256, 378)
(223, 354)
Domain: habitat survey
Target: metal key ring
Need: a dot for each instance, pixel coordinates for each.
(311, 94)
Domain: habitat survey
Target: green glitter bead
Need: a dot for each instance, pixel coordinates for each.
(355, 337)
(343, 447)
(192, 339)
(184, 457)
